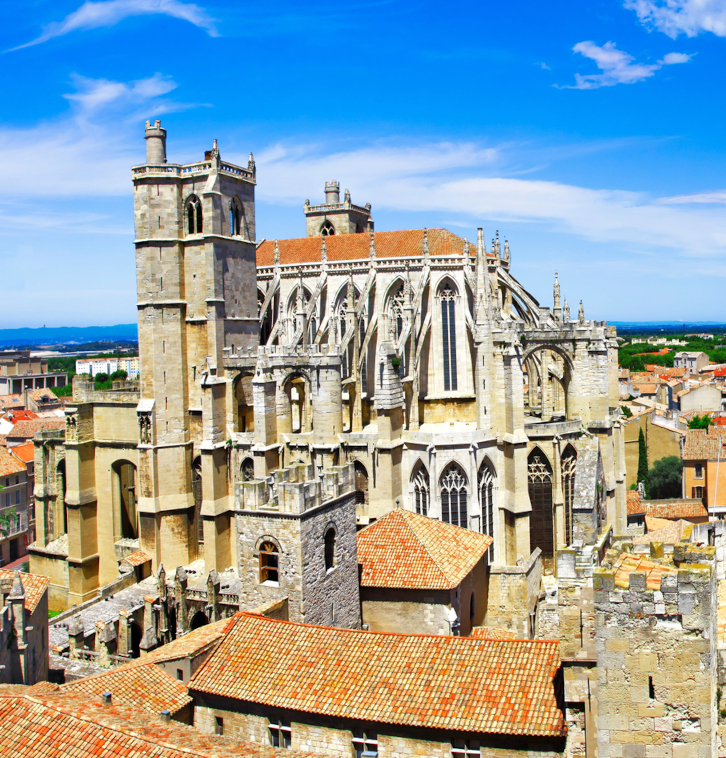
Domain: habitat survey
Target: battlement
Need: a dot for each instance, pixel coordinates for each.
(296, 489)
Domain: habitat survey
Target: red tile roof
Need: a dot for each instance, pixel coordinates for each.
(409, 551)
(34, 586)
(9, 464)
(47, 721)
(679, 509)
(138, 684)
(25, 452)
(137, 558)
(349, 247)
(454, 683)
(11, 401)
(627, 563)
(492, 633)
(663, 530)
(635, 507)
(190, 644)
(28, 429)
(702, 445)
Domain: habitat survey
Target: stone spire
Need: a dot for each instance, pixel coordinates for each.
(251, 164)
(425, 245)
(506, 251)
(496, 249)
(372, 247)
(566, 312)
(558, 313)
(277, 253)
(581, 314)
(323, 250)
(482, 273)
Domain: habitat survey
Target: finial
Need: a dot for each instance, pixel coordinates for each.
(251, 163)
(566, 311)
(323, 249)
(347, 197)
(372, 246)
(466, 248)
(425, 247)
(480, 246)
(581, 314)
(506, 250)
(277, 253)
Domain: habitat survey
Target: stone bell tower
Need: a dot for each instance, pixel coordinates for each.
(197, 294)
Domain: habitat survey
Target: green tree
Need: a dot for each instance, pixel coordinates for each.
(664, 479)
(628, 413)
(118, 375)
(100, 378)
(700, 422)
(642, 458)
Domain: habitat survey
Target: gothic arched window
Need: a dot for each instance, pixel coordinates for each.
(236, 218)
(448, 331)
(330, 549)
(395, 314)
(327, 229)
(486, 501)
(541, 522)
(194, 215)
(248, 470)
(454, 496)
(420, 481)
(269, 563)
(569, 464)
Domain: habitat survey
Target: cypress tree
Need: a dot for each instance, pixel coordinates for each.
(642, 458)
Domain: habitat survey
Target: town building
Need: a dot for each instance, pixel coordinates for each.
(19, 371)
(693, 361)
(345, 373)
(703, 475)
(109, 365)
(14, 504)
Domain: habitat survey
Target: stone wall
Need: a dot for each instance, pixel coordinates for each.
(513, 595)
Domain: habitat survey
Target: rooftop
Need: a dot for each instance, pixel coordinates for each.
(34, 586)
(46, 721)
(9, 464)
(28, 429)
(408, 551)
(349, 247)
(190, 644)
(453, 683)
(677, 509)
(628, 563)
(703, 445)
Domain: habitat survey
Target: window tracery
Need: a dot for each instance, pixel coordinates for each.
(454, 496)
(421, 490)
(541, 522)
(327, 229)
(569, 465)
(195, 223)
(448, 333)
(486, 500)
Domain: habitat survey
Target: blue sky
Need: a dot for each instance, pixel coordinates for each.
(589, 134)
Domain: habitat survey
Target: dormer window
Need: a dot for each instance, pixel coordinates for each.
(194, 215)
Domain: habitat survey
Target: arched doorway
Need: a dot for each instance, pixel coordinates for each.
(124, 474)
(199, 619)
(541, 522)
(361, 483)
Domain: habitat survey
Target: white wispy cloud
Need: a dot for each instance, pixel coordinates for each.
(674, 17)
(468, 182)
(92, 15)
(617, 66)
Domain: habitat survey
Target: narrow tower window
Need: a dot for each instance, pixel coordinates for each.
(448, 330)
(194, 215)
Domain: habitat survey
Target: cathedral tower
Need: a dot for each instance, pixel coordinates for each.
(196, 281)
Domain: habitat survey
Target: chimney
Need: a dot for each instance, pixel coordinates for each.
(332, 193)
(166, 717)
(155, 143)
(106, 698)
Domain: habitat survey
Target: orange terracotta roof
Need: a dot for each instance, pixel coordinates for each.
(34, 586)
(453, 683)
(492, 633)
(39, 721)
(703, 445)
(11, 401)
(137, 558)
(646, 389)
(663, 530)
(677, 510)
(138, 684)
(25, 452)
(349, 247)
(190, 644)
(28, 429)
(627, 563)
(9, 464)
(409, 551)
(635, 507)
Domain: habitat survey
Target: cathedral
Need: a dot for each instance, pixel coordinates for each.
(293, 391)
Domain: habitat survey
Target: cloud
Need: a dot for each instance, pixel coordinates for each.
(674, 17)
(92, 15)
(617, 66)
(700, 198)
(544, 66)
(469, 182)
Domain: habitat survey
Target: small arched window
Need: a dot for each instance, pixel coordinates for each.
(327, 229)
(269, 563)
(395, 314)
(248, 470)
(454, 496)
(421, 490)
(236, 218)
(330, 549)
(194, 215)
(448, 333)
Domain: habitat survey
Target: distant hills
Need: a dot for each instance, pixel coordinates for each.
(68, 335)
(668, 326)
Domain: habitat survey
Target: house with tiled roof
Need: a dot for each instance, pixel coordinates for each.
(342, 692)
(691, 509)
(26, 430)
(46, 720)
(662, 439)
(422, 575)
(14, 502)
(704, 476)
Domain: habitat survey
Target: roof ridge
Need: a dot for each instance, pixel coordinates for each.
(425, 547)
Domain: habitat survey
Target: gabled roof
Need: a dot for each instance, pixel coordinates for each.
(26, 430)
(25, 452)
(663, 530)
(408, 551)
(702, 445)
(45, 720)
(677, 509)
(453, 683)
(137, 558)
(138, 684)
(349, 247)
(190, 644)
(34, 586)
(9, 464)
(11, 401)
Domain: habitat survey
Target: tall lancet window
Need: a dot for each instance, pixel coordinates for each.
(448, 333)
(569, 464)
(194, 215)
(486, 501)
(420, 480)
(454, 496)
(395, 314)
